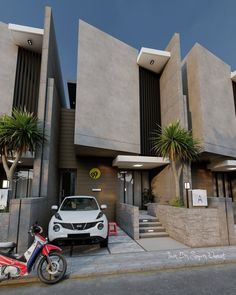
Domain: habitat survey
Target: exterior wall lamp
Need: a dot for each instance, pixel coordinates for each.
(187, 187)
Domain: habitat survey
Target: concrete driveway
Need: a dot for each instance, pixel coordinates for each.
(122, 243)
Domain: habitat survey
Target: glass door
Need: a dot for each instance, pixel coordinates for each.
(134, 187)
(126, 183)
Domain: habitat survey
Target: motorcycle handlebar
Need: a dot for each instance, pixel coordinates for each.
(35, 229)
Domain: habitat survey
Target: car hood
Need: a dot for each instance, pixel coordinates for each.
(78, 216)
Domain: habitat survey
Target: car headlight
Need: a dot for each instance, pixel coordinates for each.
(57, 216)
(100, 226)
(100, 214)
(56, 227)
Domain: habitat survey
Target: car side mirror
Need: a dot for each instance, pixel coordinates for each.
(54, 207)
(103, 206)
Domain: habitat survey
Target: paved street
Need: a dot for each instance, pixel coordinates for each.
(215, 280)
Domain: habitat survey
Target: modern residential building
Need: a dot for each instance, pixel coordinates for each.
(30, 78)
(122, 94)
(102, 145)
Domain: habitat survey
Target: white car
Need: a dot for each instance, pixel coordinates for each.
(80, 219)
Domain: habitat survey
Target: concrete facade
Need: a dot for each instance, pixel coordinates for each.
(4, 224)
(8, 60)
(51, 97)
(105, 123)
(128, 219)
(209, 92)
(173, 108)
(171, 90)
(108, 81)
(24, 213)
(46, 179)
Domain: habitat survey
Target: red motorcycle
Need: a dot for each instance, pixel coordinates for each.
(51, 265)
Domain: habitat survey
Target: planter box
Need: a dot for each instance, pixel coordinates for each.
(194, 227)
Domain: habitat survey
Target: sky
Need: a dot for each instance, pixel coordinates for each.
(139, 23)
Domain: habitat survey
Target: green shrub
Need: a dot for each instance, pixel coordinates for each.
(176, 202)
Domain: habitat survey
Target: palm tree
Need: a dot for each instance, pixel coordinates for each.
(177, 144)
(19, 133)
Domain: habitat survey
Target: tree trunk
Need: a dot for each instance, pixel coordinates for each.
(176, 179)
(10, 170)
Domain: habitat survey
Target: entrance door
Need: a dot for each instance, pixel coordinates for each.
(132, 186)
(68, 183)
(126, 183)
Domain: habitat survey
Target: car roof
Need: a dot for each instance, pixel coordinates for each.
(80, 197)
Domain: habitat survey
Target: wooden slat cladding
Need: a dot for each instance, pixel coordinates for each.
(67, 157)
(149, 108)
(27, 80)
(107, 182)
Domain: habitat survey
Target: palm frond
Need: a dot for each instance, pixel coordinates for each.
(175, 142)
(20, 132)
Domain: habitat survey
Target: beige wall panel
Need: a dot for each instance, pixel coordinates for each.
(211, 101)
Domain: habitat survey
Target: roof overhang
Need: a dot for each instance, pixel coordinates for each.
(223, 166)
(153, 59)
(27, 37)
(139, 162)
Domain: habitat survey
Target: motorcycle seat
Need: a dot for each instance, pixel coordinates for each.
(7, 245)
(14, 256)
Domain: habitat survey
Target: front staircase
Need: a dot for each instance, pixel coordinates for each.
(150, 227)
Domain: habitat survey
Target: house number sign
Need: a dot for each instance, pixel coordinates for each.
(95, 173)
(199, 197)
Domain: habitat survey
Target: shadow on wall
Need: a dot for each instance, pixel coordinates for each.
(163, 186)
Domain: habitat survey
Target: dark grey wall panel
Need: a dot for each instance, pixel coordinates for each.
(67, 157)
(150, 114)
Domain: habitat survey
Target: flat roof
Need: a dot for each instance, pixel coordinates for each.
(27, 37)
(153, 59)
(233, 76)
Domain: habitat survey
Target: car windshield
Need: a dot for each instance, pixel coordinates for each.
(79, 204)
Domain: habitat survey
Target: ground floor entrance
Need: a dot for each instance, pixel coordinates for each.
(134, 187)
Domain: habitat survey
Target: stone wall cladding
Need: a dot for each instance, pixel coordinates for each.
(4, 224)
(127, 217)
(193, 227)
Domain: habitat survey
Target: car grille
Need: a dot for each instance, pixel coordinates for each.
(77, 226)
(78, 236)
(83, 226)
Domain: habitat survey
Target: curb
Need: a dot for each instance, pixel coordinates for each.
(137, 262)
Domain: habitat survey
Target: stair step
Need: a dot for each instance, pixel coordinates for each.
(148, 219)
(151, 229)
(149, 224)
(153, 235)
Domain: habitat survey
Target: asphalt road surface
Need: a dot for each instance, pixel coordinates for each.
(217, 280)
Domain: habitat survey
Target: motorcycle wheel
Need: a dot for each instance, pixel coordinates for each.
(52, 275)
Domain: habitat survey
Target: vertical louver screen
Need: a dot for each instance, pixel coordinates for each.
(149, 108)
(27, 80)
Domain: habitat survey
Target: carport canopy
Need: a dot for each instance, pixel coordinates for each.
(139, 162)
